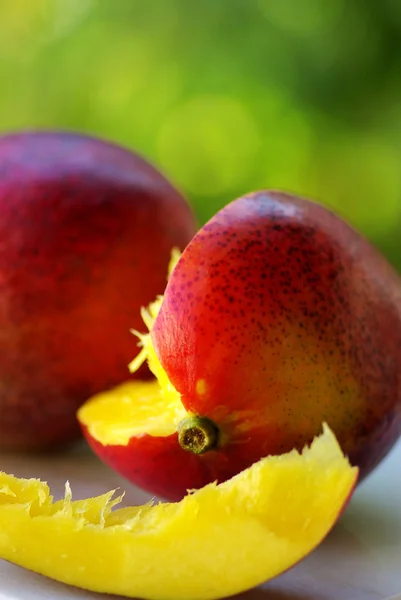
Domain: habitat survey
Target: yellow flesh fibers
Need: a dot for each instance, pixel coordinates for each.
(216, 542)
(148, 353)
(137, 407)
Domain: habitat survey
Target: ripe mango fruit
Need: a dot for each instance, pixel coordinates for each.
(277, 316)
(86, 230)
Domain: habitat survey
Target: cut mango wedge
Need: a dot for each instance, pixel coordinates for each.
(218, 541)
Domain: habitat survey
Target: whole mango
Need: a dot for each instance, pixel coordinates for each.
(86, 232)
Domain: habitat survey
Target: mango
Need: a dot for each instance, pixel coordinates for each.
(86, 231)
(216, 542)
(277, 316)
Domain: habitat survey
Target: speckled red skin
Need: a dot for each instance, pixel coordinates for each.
(86, 230)
(291, 318)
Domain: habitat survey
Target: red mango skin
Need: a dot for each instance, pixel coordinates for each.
(86, 231)
(161, 467)
(289, 318)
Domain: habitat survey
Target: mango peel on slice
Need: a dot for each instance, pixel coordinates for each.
(217, 541)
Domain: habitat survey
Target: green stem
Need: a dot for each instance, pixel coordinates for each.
(198, 435)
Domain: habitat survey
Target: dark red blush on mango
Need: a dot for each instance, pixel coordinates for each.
(287, 317)
(277, 317)
(86, 232)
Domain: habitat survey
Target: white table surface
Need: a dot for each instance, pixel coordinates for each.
(360, 559)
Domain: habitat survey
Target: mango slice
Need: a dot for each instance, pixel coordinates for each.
(218, 541)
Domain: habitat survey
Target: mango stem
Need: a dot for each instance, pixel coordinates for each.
(198, 434)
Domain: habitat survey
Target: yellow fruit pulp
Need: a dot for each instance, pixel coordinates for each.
(131, 409)
(218, 541)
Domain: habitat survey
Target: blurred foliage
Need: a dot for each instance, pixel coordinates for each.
(226, 96)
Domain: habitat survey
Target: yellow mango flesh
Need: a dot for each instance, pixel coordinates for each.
(131, 409)
(218, 541)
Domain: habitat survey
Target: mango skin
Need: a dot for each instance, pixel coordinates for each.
(161, 467)
(86, 231)
(278, 316)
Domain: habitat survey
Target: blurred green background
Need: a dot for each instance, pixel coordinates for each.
(226, 96)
